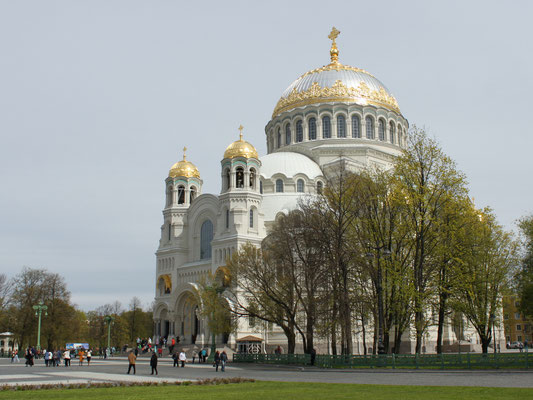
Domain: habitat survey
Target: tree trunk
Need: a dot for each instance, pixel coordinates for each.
(309, 333)
(397, 340)
(442, 316)
(485, 345)
(364, 330)
(419, 320)
(291, 339)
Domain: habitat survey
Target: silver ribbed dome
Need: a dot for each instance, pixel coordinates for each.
(327, 78)
(336, 83)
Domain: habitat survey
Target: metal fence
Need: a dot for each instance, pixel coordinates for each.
(413, 361)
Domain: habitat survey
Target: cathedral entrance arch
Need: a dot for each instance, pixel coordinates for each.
(187, 316)
(162, 324)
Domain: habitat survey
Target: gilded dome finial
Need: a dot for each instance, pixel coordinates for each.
(334, 51)
(241, 148)
(184, 168)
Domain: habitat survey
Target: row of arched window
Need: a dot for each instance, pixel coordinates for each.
(387, 132)
(240, 179)
(300, 186)
(179, 195)
(222, 254)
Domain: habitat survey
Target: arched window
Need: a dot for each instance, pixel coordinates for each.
(252, 178)
(169, 232)
(299, 131)
(206, 236)
(356, 126)
(279, 138)
(181, 194)
(227, 218)
(192, 195)
(326, 127)
(300, 186)
(319, 187)
(169, 196)
(261, 187)
(341, 126)
(312, 129)
(251, 217)
(369, 127)
(228, 180)
(279, 186)
(287, 134)
(381, 130)
(239, 177)
(400, 135)
(392, 136)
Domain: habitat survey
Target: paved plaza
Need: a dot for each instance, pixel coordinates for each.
(114, 370)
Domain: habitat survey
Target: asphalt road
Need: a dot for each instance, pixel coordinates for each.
(114, 369)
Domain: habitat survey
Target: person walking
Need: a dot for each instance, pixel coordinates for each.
(46, 357)
(175, 358)
(217, 360)
(89, 355)
(153, 363)
(57, 358)
(223, 361)
(29, 357)
(80, 356)
(15, 356)
(183, 358)
(66, 357)
(131, 359)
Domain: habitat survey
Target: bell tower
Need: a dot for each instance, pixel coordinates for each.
(240, 215)
(183, 185)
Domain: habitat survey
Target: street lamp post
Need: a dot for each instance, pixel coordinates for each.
(39, 308)
(379, 292)
(109, 321)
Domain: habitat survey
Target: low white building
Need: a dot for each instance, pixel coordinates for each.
(7, 343)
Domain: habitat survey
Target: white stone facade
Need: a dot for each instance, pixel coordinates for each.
(304, 144)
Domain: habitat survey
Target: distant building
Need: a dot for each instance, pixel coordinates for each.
(7, 342)
(517, 328)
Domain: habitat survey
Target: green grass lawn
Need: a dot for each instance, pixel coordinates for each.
(276, 391)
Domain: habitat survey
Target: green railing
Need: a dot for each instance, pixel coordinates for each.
(413, 361)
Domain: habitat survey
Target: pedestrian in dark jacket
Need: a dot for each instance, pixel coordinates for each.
(217, 360)
(223, 361)
(153, 363)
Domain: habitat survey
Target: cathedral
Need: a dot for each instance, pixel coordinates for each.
(334, 114)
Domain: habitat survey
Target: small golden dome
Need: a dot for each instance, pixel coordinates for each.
(241, 148)
(184, 168)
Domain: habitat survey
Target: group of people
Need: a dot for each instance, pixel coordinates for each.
(53, 358)
(132, 360)
(144, 345)
(220, 360)
(179, 360)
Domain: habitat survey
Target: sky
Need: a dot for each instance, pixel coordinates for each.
(98, 98)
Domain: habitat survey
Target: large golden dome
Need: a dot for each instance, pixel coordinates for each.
(336, 82)
(241, 148)
(184, 168)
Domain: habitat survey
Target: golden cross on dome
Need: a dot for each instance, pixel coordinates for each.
(184, 155)
(240, 131)
(334, 33)
(334, 52)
